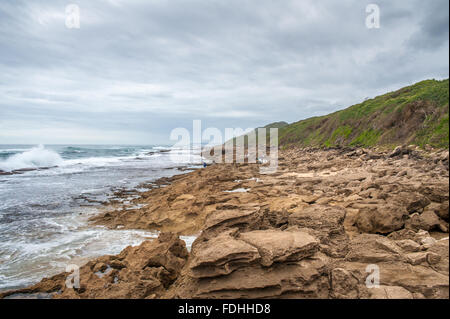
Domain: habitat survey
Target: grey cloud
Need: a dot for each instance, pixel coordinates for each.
(433, 27)
(142, 68)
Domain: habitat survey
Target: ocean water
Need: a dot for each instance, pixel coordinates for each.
(44, 212)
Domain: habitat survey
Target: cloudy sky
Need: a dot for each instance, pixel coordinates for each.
(136, 69)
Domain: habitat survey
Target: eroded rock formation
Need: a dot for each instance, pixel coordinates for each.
(317, 228)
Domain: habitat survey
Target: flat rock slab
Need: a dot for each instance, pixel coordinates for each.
(280, 246)
(303, 279)
(230, 217)
(415, 279)
(319, 217)
(221, 256)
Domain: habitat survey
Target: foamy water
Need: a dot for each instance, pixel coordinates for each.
(33, 158)
(44, 213)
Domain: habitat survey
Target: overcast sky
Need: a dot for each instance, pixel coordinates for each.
(135, 70)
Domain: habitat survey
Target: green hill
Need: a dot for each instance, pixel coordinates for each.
(276, 125)
(416, 114)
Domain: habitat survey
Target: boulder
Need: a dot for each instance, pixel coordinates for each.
(408, 245)
(400, 150)
(428, 220)
(442, 211)
(418, 205)
(416, 258)
(381, 219)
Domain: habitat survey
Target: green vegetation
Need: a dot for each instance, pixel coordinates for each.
(417, 114)
(276, 125)
(339, 134)
(434, 133)
(367, 138)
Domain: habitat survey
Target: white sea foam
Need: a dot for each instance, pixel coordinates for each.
(33, 158)
(94, 161)
(161, 147)
(37, 157)
(41, 227)
(9, 150)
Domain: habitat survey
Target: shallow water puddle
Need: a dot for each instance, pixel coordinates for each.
(238, 190)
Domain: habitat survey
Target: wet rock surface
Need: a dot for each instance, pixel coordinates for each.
(319, 227)
(145, 271)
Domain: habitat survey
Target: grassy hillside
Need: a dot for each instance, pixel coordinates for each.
(276, 125)
(417, 114)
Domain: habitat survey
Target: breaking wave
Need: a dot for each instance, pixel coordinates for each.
(33, 158)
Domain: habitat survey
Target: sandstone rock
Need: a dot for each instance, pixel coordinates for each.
(420, 279)
(286, 203)
(390, 292)
(433, 258)
(427, 220)
(145, 270)
(381, 219)
(100, 267)
(401, 150)
(183, 201)
(325, 223)
(275, 242)
(418, 205)
(442, 211)
(436, 193)
(220, 220)
(404, 234)
(419, 236)
(369, 249)
(117, 264)
(353, 198)
(328, 219)
(427, 242)
(344, 285)
(310, 199)
(270, 218)
(306, 278)
(408, 245)
(168, 252)
(397, 151)
(221, 256)
(416, 258)
(280, 246)
(439, 256)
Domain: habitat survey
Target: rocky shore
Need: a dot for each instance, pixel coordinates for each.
(317, 228)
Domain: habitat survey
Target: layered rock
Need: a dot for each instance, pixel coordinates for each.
(281, 246)
(221, 255)
(261, 264)
(320, 227)
(145, 271)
